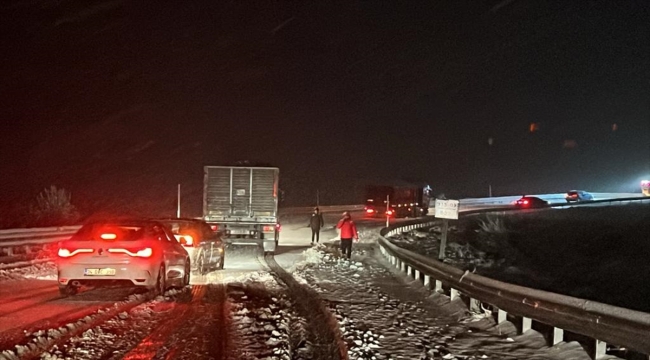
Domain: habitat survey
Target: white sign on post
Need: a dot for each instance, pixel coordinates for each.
(447, 209)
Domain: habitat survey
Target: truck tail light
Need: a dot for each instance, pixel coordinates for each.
(268, 228)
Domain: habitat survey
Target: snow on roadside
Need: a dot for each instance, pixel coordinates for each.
(382, 317)
(41, 271)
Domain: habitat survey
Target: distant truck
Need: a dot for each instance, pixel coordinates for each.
(405, 200)
(241, 202)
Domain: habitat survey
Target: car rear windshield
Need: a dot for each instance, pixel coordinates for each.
(199, 231)
(111, 232)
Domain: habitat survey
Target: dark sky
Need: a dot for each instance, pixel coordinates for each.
(118, 101)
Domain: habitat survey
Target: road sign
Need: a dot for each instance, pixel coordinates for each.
(447, 209)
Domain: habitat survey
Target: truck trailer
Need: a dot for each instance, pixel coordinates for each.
(404, 200)
(241, 202)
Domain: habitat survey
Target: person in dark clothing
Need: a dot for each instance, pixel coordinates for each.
(348, 232)
(316, 223)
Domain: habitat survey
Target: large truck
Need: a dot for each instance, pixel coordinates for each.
(404, 200)
(241, 202)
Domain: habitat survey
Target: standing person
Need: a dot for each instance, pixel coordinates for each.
(316, 223)
(348, 232)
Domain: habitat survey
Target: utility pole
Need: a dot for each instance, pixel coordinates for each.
(490, 142)
(387, 209)
(178, 209)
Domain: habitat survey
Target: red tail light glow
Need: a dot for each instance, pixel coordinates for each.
(64, 253)
(525, 202)
(108, 236)
(370, 211)
(389, 212)
(146, 252)
(269, 228)
(214, 227)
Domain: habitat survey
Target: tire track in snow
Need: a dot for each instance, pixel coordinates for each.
(151, 345)
(324, 332)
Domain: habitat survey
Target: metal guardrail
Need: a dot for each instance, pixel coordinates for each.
(554, 315)
(11, 239)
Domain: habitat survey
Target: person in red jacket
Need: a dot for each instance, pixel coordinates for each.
(348, 232)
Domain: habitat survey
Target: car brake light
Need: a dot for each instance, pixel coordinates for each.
(108, 236)
(146, 252)
(525, 202)
(370, 211)
(389, 212)
(214, 227)
(64, 253)
(268, 228)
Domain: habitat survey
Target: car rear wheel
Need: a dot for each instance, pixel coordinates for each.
(68, 290)
(221, 262)
(160, 281)
(200, 264)
(186, 276)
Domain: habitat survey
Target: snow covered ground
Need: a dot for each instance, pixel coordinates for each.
(382, 315)
(595, 253)
(244, 312)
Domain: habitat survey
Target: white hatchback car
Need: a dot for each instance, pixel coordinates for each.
(134, 252)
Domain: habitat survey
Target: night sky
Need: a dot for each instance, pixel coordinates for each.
(118, 101)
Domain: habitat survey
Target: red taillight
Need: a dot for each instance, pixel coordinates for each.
(278, 227)
(146, 252)
(268, 228)
(108, 236)
(525, 202)
(214, 227)
(370, 211)
(389, 212)
(64, 253)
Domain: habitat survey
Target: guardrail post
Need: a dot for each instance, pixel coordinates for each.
(438, 287)
(474, 305)
(416, 274)
(502, 316)
(526, 324)
(600, 349)
(557, 336)
(453, 294)
(427, 281)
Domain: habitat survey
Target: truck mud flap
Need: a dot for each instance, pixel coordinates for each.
(269, 246)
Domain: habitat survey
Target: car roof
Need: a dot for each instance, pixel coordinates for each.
(129, 221)
(187, 220)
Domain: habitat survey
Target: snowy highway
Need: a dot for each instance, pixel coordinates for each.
(317, 306)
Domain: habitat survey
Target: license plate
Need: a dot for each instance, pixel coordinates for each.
(99, 272)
